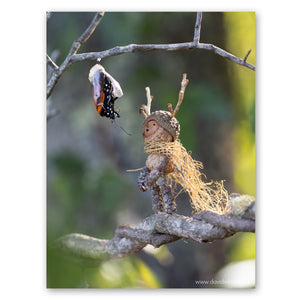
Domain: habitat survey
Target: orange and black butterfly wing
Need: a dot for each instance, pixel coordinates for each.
(98, 94)
(103, 99)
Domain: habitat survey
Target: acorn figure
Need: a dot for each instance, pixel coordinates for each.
(170, 161)
(160, 127)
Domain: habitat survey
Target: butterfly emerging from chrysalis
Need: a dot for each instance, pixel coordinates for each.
(106, 90)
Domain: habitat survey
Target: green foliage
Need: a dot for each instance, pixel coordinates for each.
(242, 248)
(129, 272)
(240, 28)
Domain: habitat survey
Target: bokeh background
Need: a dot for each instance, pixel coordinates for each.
(89, 189)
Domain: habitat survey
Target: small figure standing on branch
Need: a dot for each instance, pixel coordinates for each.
(169, 161)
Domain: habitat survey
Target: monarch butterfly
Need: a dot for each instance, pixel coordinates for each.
(106, 90)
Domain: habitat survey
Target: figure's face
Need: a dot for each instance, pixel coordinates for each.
(153, 132)
(150, 128)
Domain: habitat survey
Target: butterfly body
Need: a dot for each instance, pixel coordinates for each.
(106, 90)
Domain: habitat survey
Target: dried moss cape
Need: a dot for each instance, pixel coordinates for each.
(169, 160)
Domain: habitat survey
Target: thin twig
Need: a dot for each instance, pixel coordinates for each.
(75, 47)
(145, 110)
(51, 63)
(149, 100)
(87, 33)
(197, 28)
(184, 84)
(246, 56)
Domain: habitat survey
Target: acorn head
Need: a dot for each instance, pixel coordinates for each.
(161, 125)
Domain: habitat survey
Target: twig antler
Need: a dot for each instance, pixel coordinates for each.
(145, 110)
(184, 84)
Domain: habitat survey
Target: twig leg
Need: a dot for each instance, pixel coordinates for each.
(147, 180)
(168, 198)
(157, 198)
(143, 179)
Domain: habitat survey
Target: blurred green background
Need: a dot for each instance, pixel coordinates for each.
(88, 188)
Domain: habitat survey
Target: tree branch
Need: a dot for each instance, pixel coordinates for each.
(75, 47)
(159, 47)
(73, 57)
(156, 230)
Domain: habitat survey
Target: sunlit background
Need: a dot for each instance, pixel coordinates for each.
(89, 190)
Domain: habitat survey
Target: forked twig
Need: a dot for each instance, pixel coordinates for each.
(184, 84)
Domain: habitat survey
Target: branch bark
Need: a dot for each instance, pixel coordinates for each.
(156, 230)
(73, 57)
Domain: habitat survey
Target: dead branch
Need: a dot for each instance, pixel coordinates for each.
(156, 230)
(73, 57)
(75, 47)
(160, 47)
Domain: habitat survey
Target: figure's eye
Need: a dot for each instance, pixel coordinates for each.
(147, 129)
